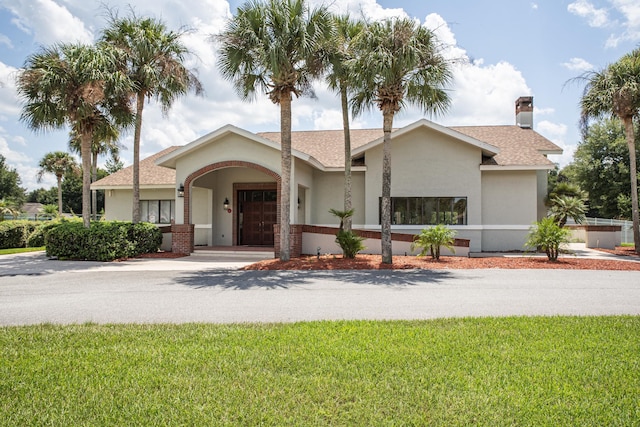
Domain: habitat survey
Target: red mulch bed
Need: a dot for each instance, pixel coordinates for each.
(372, 262)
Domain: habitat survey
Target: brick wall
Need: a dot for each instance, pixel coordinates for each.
(182, 238)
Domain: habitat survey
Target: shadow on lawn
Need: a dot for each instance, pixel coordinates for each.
(253, 279)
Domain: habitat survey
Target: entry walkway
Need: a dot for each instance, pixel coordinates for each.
(578, 250)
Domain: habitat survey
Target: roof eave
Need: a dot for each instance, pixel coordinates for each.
(516, 167)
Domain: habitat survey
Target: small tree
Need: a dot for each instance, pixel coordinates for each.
(548, 236)
(564, 207)
(8, 207)
(430, 240)
(349, 242)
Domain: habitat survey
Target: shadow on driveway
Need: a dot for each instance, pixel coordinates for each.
(266, 279)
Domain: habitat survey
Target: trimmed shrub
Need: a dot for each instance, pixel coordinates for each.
(14, 234)
(104, 241)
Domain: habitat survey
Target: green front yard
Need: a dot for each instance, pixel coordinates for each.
(507, 371)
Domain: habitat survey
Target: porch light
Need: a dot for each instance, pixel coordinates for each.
(181, 190)
(225, 205)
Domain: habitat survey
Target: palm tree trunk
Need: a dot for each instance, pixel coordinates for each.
(347, 156)
(59, 177)
(633, 169)
(85, 153)
(94, 178)
(387, 251)
(285, 179)
(135, 215)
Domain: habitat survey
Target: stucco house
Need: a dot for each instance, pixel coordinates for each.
(223, 189)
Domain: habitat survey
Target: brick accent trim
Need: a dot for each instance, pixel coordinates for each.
(602, 228)
(182, 238)
(370, 234)
(298, 229)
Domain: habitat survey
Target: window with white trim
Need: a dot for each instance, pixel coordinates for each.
(157, 211)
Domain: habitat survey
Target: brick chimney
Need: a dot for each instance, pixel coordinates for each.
(524, 112)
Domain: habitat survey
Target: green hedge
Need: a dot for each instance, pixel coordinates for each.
(104, 241)
(14, 234)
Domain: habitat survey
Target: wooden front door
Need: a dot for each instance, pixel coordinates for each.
(257, 213)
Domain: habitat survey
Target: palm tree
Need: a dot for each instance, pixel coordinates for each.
(59, 164)
(275, 46)
(8, 207)
(75, 85)
(398, 62)
(340, 51)
(564, 207)
(153, 58)
(105, 141)
(615, 91)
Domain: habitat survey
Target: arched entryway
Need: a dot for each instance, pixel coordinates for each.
(253, 209)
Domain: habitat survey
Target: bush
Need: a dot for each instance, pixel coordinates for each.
(350, 243)
(548, 236)
(14, 234)
(104, 241)
(432, 239)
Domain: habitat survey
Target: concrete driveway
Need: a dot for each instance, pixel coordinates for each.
(198, 289)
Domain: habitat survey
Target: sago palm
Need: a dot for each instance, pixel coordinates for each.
(57, 163)
(78, 86)
(154, 59)
(398, 63)
(275, 47)
(615, 91)
(564, 207)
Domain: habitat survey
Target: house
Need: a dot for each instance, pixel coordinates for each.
(223, 189)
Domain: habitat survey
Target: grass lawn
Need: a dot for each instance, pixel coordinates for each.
(555, 371)
(20, 250)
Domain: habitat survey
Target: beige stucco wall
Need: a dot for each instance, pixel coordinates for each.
(543, 179)
(510, 205)
(426, 163)
(117, 203)
(328, 193)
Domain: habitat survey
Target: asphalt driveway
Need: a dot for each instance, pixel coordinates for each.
(36, 290)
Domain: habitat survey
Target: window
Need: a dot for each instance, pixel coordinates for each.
(157, 211)
(428, 210)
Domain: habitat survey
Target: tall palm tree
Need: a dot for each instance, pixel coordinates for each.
(398, 62)
(153, 58)
(79, 86)
(275, 46)
(339, 52)
(59, 164)
(615, 91)
(105, 141)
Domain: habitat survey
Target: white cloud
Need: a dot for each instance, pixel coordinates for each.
(630, 21)
(48, 21)
(4, 40)
(534, 6)
(369, 9)
(578, 64)
(595, 17)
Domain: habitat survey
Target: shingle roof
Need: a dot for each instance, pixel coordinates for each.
(518, 147)
(326, 146)
(150, 173)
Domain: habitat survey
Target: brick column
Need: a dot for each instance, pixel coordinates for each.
(182, 238)
(295, 240)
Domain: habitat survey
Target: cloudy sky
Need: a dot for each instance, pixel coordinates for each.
(511, 48)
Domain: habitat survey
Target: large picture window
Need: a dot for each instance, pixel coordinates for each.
(428, 210)
(157, 211)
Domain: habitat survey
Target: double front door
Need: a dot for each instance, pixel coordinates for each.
(257, 213)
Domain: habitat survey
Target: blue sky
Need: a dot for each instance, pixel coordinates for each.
(511, 49)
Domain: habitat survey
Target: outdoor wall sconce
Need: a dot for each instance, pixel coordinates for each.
(298, 202)
(225, 205)
(181, 190)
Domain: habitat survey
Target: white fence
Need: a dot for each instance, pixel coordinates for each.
(627, 226)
